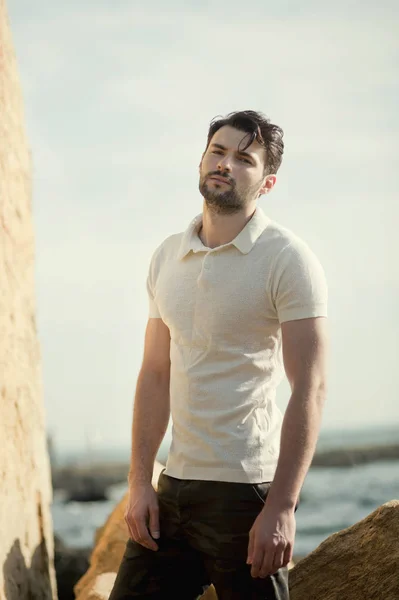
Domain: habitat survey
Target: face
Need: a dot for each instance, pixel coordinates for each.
(231, 179)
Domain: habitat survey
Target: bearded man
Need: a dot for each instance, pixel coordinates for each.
(234, 300)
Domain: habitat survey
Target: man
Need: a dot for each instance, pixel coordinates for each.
(231, 300)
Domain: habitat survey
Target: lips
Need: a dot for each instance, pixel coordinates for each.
(221, 179)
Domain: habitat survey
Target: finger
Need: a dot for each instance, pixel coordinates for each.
(133, 531)
(288, 554)
(268, 559)
(250, 548)
(144, 537)
(277, 561)
(257, 560)
(130, 527)
(154, 522)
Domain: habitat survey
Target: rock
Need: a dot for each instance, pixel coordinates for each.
(26, 549)
(358, 563)
(98, 476)
(87, 490)
(348, 457)
(70, 565)
(102, 586)
(89, 483)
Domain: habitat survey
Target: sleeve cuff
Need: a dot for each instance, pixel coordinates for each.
(302, 312)
(153, 311)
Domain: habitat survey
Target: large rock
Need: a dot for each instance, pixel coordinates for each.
(358, 563)
(26, 547)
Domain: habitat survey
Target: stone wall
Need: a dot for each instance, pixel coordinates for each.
(26, 543)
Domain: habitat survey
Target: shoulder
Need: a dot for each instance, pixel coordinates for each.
(166, 250)
(286, 247)
(169, 244)
(280, 237)
(297, 280)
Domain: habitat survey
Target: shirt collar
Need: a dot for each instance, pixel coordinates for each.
(244, 241)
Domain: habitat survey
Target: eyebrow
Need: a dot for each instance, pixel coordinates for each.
(241, 152)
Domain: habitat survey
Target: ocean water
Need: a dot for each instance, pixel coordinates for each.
(331, 499)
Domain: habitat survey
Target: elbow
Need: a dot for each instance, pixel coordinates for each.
(318, 388)
(321, 393)
(314, 389)
(155, 377)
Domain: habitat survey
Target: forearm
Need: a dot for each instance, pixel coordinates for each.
(299, 436)
(150, 422)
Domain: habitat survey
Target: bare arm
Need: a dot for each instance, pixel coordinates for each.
(305, 355)
(150, 421)
(273, 533)
(151, 405)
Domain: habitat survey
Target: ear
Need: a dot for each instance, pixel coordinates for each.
(268, 184)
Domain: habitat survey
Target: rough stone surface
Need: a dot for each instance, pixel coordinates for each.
(358, 563)
(26, 547)
(102, 586)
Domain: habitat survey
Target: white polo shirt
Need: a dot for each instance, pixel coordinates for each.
(223, 307)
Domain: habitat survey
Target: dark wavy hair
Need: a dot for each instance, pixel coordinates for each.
(259, 128)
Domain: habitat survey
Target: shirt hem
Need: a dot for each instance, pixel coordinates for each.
(222, 474)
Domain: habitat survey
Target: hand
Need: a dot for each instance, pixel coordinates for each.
(271, 541)
(142, 515)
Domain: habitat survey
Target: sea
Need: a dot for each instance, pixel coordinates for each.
(332, 498)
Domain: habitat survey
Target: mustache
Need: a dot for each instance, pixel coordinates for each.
(218, 174)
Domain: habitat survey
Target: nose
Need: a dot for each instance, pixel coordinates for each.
(224, 164)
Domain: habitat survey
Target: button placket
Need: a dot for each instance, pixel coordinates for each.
(207, 259)
(203, 307)
(205, 266)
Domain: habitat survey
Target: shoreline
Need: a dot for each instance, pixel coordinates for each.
(88, 481)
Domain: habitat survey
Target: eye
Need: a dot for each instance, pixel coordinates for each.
(217, 152)
(246, 160)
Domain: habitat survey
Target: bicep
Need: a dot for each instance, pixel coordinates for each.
(157, 348)
(305, 346)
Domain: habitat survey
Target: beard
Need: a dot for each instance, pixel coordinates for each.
(226, 202)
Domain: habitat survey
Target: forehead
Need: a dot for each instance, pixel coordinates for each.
(233, 139)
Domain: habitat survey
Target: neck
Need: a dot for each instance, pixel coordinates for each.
(219, 229)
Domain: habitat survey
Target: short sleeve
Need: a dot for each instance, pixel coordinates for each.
(300, 286)
(151, 279)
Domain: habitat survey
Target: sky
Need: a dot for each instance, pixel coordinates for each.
(118, 99)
